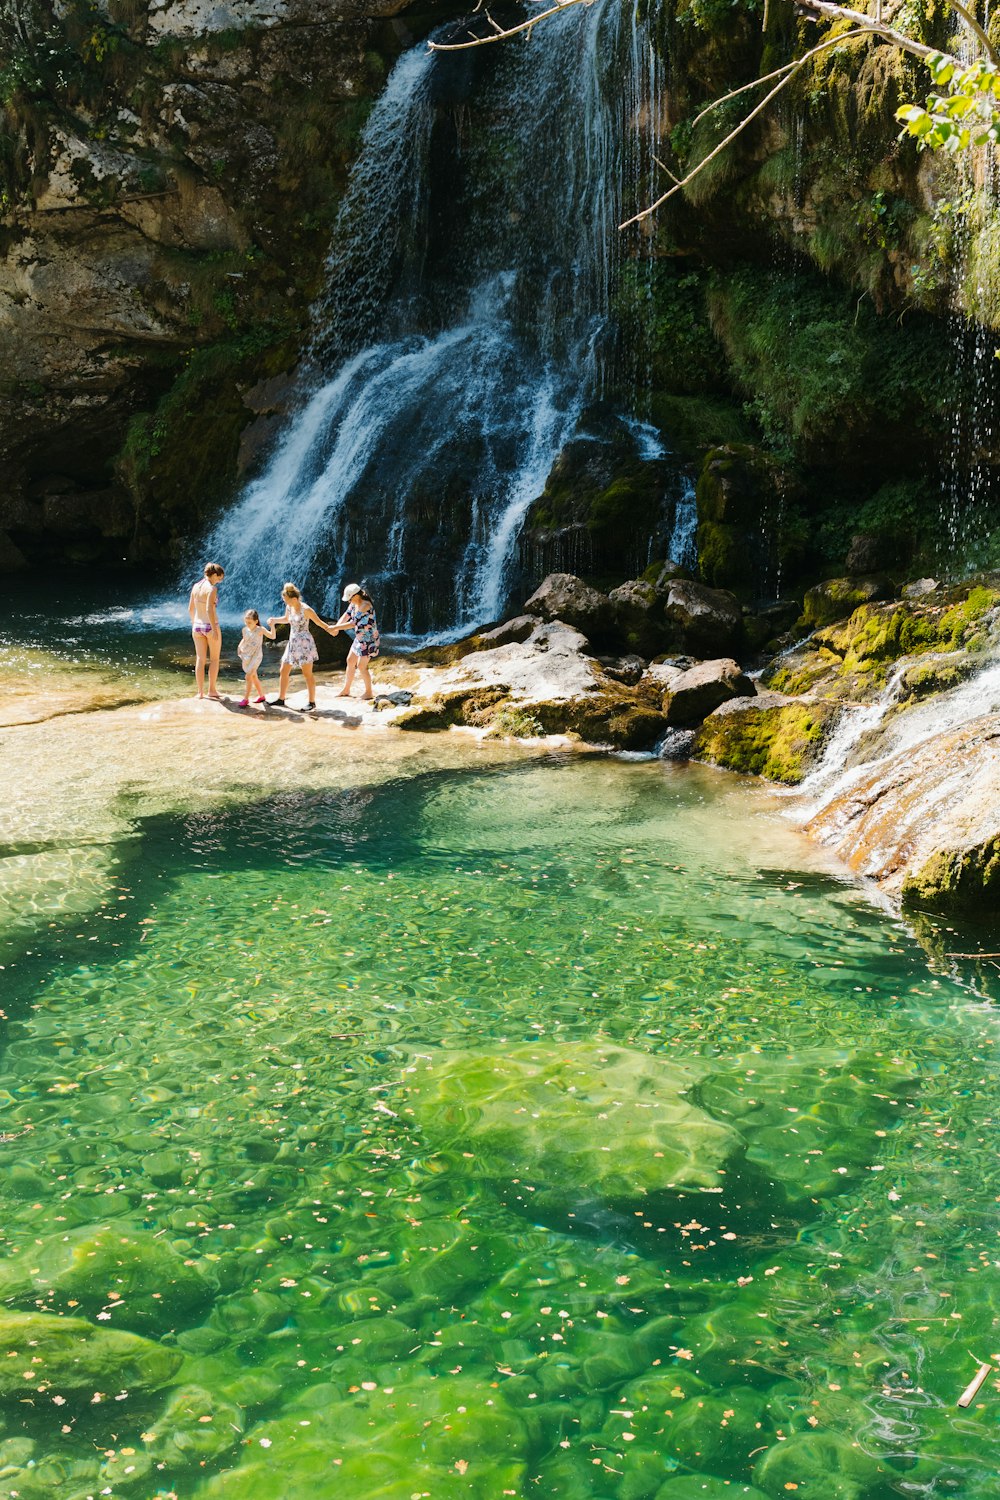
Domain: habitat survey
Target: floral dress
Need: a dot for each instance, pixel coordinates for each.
(366, 643)
(251, 648)
(301, 648)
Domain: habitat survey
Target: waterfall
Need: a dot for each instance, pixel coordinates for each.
(465, 326)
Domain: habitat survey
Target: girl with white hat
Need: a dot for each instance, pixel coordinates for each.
(359, 616)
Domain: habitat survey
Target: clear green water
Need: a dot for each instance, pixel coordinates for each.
(245, 1122)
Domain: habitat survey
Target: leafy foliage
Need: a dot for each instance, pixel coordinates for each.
(964, 115)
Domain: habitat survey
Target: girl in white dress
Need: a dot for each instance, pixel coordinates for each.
(251, 654)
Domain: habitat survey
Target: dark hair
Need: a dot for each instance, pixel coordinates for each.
(252, 613)
(363, 594)
(212, 570)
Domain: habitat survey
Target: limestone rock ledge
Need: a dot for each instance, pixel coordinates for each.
(165, 215)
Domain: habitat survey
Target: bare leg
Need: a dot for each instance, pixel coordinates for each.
(307, 673)
(200, 656)
(253, 685)
(283, 677)
(214, 652)
(352, 665)
(366, 677)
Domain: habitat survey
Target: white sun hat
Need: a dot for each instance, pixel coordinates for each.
(349, 592)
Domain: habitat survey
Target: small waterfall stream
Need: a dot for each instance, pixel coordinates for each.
(466, 325)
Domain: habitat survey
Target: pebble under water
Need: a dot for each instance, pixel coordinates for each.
(549, 1129)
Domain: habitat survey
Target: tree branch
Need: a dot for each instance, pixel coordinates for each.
(501, 34)
(726, 140)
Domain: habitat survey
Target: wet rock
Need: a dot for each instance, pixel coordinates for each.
(769, 735)
(695, 693)
(677, 744)
(839, 597)
(709, 621)
(564, 597)
(938, 674)
(138, 1279)
(738, 487)
(764, 627)
(72, 1358)
(534, 1113)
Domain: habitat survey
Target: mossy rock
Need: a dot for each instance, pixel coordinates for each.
(880, 633)
(838, 598)
(539, 1113)
(138, 1279)
(938, 675)
(780, 739)
(958, 882)
(195, 1426)
(72, 1358)
(707, 1487)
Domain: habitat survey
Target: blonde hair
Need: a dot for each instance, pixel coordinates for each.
(252, 614)
(213, 570)
(290, 591)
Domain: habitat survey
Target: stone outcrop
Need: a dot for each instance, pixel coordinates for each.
(563, 596)
(839, 597)
(769, 735)
(693, 694)
(709, 621)
(161, 246)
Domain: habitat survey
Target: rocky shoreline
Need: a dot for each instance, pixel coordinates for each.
(886, 714)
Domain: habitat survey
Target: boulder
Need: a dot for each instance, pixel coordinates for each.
(584, 1124)
(839, 597)
(695, 693)
(821, 1466)
(72, 1358)
(640, 619)
(511, 631)
(920, 588)
(708, 621)
(564, 597)
(769, 735)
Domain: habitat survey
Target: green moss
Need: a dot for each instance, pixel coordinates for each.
(694, 423)
(515, 723)
(958, 882)
(779, 742)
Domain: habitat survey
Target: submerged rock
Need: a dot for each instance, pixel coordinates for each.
(695, 693)
(72, 1358)
(579, 1123)
(821, 1466)
(769, 735)
(139, 1279)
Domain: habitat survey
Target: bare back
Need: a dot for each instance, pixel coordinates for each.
(201, 605)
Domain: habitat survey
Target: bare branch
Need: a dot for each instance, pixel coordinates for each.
(726, 140)
(664, 168)
(871, 24)
(501, 35)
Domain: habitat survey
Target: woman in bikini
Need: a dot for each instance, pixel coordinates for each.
(301, 649)
(205, 630)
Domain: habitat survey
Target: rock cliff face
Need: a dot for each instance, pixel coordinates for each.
(169, 172)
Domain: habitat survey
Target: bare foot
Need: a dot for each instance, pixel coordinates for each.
(367, 697)
(343, 695)
(215, 697)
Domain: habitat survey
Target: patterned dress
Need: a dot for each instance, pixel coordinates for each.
(367, 642)
(301, 647)
(251, 648)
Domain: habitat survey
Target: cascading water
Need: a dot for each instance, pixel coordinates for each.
(485, 268)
